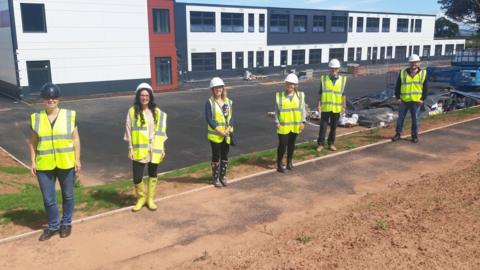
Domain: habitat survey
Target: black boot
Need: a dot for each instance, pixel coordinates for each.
(280, 166)
(216, 174)
(289, 164)
(396, 137)
(223, 172)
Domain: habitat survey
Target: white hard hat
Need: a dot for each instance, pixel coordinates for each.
(216, 81)
(143, 86)
(414, 58)
(334, 63)
(291, 78)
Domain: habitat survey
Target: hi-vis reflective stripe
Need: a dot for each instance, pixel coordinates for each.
(57, 150)
(331, 91)
(332, 103)
(138, 146)
(290, 123)
(69, 122)
(37, 122)
(157, 151)
(56, 137)
(291, 110)
(213, 132)
(137, 128)
(411, 93)
(160, 125)
(404, 78)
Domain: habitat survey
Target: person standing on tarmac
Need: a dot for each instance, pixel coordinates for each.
(218, 113)
(411, 89)
(145, 132)
(289, 120)
(331, 103)
(55, 153)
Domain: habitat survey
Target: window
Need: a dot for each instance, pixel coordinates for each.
(411, 25)
(459, 47)
(279, 23)
(402, 25)
(283, 57)
(400, 52)
(336, 53)
(339, 24)
(261, 23)
(232, 22)
(239, 60)
(202, 21)
(315, 56)
(438, 50)
(161, 21)
(449, 49)
(359, 24)
(204, 61)
(226, 60)
(260, 59)
(373, 24)
(385, 24)
(351, 55)
(298, 57)
(389, 52)
(359, 54)
(250, 59)
(374, 53)
(33, 18)
(416, 50)
(251, 22)
(163, 70)
(350, 24)
(426, 51)
(369, 53)
(299, 23)
(271, 58)
(418, 25)
(318, 24)
(382, 53)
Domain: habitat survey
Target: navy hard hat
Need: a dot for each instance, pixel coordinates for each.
(50, 90)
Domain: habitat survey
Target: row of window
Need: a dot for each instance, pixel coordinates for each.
(208, 61)
(373, 25)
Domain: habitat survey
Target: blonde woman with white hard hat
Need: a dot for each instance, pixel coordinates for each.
(331, 103)
(145, 133)
(411, 89)
(219, 116)
(289, 120)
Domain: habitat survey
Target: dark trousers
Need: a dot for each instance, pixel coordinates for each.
(138, 169)
(219, 151)
(286, 142)
(414, 109)
(328, 118)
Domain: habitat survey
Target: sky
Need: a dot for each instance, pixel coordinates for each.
(401, 6)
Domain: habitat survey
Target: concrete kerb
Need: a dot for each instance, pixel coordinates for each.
(16, 237)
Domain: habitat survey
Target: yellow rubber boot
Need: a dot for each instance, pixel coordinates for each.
(152, 186)
(140, 191)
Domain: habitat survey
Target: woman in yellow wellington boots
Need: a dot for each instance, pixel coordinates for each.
(145, 132)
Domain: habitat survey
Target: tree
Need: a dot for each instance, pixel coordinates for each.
(466, 11)
(446, 28)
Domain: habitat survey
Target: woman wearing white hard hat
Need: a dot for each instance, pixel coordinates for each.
(218, 113)
(411, 89)
(145, 133)
(289, 120)
(331, 103)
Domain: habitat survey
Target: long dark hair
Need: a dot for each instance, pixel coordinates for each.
(151, 106)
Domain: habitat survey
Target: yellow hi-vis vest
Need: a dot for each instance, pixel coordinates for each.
(290, 112)
(332, 94)
(412, 88)
(141, 138)
(55, 146)
(221, 120)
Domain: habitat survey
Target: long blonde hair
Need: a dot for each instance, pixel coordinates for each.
(224, 94)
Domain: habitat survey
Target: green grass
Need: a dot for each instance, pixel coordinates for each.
(202, 258)
(14, 170)
(304, 238)
(381, 224)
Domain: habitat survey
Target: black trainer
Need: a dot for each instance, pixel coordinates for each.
(396, 137)
(289, 165)
(280, 168)
(47, 234)
(414, 139)
(65, 230)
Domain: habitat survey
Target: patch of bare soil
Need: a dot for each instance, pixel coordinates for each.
(427, 222)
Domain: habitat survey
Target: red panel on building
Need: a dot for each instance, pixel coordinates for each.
(163, 52)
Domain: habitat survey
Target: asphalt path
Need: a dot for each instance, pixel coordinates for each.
(101, 124)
